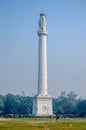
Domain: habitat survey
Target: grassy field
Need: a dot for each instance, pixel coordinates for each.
(42, 124)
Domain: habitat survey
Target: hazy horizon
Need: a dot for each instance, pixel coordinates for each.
(66, 46)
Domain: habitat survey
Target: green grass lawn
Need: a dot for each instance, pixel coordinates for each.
(42, 124)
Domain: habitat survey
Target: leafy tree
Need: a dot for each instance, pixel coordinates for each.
(10, 104)
(81, 106)
(24, 105)
(1, 105)
(65, 104)
(2, 97)
(63, 94)
(72, 95)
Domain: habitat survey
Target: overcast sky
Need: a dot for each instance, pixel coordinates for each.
(66, 46)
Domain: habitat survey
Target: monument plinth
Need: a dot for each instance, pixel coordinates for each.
(42, 102)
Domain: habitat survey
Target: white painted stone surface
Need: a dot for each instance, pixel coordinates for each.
(42, 102)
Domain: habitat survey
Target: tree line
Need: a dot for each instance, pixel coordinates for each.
(22, 105)
(69, 105)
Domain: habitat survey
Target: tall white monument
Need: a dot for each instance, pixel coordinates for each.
(42, 102)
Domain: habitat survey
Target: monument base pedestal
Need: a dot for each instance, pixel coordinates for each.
(42, 105)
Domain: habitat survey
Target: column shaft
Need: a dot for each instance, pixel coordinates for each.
(42, 67)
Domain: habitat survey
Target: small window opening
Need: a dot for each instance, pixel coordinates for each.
(42, 29)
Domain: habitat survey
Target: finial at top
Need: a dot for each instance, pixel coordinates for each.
(42, 14)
